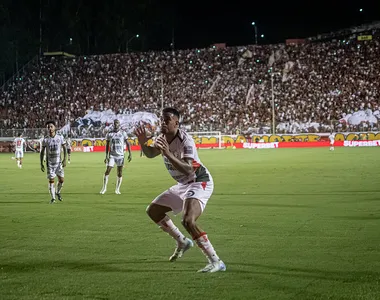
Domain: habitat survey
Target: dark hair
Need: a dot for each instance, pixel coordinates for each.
(20, 134)
(171, 110)
(50, 122)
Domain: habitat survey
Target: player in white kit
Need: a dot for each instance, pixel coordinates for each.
(53, 143)
(190, 195)
(115, 146)
(19, 143)
(332, 141)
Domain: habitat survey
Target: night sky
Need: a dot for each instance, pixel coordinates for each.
(201, 24)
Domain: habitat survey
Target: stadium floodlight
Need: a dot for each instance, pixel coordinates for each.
(361, 10)
(127, 43)
(262, 36)
(255, 26)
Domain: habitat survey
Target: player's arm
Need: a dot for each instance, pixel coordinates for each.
(129, 150)
(107, 151)
(185, 165)
(64, 148)
(42, 153)
(149, 152)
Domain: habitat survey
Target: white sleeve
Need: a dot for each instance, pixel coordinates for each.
(188, 149)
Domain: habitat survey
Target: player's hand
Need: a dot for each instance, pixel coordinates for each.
(162, 144)
(129, 157)
(106, 160)
(141, 135)
(64, 163)
(42, 168)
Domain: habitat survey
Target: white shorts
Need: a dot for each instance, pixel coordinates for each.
(175, 196)
(19, 154)
(118, 160)
(55, 170)
(332, 143)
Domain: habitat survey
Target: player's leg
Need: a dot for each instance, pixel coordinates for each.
(17, 158)
(192, 211)
(68, 155)
(20, 158)
(196, 197)
(59, 187)
(52, 190)
(157, 211)
(119, 179)
(110, 165)
(51, 178)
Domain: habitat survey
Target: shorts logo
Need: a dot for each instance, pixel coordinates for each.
(190, 194)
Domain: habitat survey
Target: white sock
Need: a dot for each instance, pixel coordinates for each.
(207, 248)
(105, 181)
(52, 190)
(167, 225)
(118, 182)
(18, 163)
(59, 187)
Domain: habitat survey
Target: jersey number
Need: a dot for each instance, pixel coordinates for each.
(53, 148)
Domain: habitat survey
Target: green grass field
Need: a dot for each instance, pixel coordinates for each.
(288, 223)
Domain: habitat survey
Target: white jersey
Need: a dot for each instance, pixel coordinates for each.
(183, 146)
(117, 142)
(19, 143)
(332, 137)
(53, 148)
(68, 144)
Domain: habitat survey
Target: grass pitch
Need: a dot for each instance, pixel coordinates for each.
(288, 223)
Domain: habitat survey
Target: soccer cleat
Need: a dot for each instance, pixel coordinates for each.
(179, 251)
(59, 196)
(52, 201)
(117, 192)
(103, 191)
(213, 267)
(69, 162)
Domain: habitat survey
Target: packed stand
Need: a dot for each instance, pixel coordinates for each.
(227, 89)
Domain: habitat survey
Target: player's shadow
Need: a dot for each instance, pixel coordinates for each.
(346, 276)
(113, 266)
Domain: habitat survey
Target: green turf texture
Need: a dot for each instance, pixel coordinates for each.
(288, 223)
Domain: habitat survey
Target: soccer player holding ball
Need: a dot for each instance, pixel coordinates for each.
(190, 195)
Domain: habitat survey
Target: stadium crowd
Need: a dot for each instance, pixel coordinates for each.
(218, 89)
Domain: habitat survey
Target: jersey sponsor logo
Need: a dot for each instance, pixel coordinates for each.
(188, 150)
(361, 143)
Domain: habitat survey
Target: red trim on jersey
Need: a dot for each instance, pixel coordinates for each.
(204, 184)
(196, 164)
